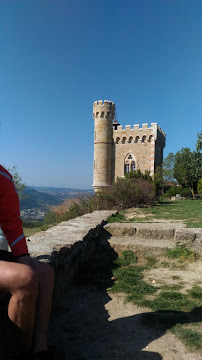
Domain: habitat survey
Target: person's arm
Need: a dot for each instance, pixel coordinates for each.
(10, 221)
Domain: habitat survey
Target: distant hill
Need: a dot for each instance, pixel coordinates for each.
(41, 199)
(63, 193)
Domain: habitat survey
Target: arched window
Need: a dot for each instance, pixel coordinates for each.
(129, 163)
(124, 140)
(151, 138)
(102, 114)
(137, 139)
(144, 138)
(117, 140)
(130, 139)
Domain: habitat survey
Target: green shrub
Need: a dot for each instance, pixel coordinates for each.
(128, 192)
(174, 190)
(199, 187)
(31, 224)
(139, 175)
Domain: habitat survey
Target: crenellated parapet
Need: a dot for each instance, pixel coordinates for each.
(104, 109)
(138, 134)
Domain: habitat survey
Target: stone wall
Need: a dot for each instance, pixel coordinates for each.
(145, 144)
(68, 246)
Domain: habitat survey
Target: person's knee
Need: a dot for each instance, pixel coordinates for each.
(28, 282)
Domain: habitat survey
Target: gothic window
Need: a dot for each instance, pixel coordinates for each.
(117, 140)
(151, 138)
(136, 139)
(143, 138)
(130, 139)
(124, 140)
(129, 163)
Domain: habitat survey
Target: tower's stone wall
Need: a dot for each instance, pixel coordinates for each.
(118, 149)
(103, 114)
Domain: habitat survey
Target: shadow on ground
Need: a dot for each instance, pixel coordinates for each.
(80, 323)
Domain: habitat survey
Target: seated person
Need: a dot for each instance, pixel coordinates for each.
(28, 281)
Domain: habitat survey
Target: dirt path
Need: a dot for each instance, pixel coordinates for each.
(88, 324)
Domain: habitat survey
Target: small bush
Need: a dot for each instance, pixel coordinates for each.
(31, 224)
(127, 193)
(174, 190)
(69, 210)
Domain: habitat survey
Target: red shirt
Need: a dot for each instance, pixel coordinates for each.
(10, 221)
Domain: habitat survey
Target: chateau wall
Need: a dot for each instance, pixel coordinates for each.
(140, 142)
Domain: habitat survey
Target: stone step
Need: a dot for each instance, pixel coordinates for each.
(141, 246)
(142, 230)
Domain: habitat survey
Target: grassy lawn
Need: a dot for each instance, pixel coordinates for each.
(31, 231)
(174, 308)
(189, 211)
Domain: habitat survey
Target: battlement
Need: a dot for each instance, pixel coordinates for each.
(139, 134)
(136, 127)
(103, 109)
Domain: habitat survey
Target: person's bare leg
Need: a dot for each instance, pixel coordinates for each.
(21, 282)
(45, 275)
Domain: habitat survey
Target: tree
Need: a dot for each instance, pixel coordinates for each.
(188, 168)
(168, 167)
(199, 142)
(18, 182)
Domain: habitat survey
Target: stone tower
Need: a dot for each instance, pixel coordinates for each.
(119, 150)
(103, 114)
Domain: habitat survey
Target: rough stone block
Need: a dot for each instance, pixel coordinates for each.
(185, 236)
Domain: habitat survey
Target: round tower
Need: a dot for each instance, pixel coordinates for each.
(103, 114)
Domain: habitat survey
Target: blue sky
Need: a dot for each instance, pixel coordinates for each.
(58, 56)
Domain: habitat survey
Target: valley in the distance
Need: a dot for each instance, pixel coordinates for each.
(38, 200)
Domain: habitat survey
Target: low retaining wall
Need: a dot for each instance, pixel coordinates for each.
(68, 246)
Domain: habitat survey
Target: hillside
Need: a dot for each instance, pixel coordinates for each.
(40, 199)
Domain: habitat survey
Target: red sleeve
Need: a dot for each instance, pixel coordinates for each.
(10, 221)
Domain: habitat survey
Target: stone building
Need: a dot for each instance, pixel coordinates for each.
(118, 151)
